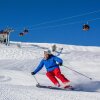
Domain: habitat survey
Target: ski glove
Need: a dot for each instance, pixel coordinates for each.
(32, 73)
(60, 64)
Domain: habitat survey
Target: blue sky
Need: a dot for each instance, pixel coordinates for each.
(19, 14)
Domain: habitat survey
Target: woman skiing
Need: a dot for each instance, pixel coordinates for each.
(52, 64)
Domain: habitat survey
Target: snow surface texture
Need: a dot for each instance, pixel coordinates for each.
(18, 60)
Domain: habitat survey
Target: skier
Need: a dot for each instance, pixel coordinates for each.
(52, 64)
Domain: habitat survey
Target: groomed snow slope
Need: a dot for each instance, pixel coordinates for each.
(19, 59)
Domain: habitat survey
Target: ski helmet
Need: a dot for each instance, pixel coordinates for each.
(47, 52)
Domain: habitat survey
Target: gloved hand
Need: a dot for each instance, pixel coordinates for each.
(60, 64)
(32, 73)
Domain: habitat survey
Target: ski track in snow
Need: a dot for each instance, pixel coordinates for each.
(16, 82)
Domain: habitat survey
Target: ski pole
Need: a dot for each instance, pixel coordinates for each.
(78, 72)
(36, 80)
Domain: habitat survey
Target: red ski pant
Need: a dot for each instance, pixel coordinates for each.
(56, 73)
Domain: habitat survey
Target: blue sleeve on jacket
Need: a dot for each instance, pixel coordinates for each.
(39, 67)
(59, 60)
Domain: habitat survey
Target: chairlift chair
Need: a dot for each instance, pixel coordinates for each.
(21, 34)
(26, 31)
(86, 27)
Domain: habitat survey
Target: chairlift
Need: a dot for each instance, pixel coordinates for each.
(26, 31)
(21, 34)
(3, 32)
(86, 27)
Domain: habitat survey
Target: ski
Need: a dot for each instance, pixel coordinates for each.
(54, 88)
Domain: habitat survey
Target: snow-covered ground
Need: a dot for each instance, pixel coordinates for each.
(18, 60)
